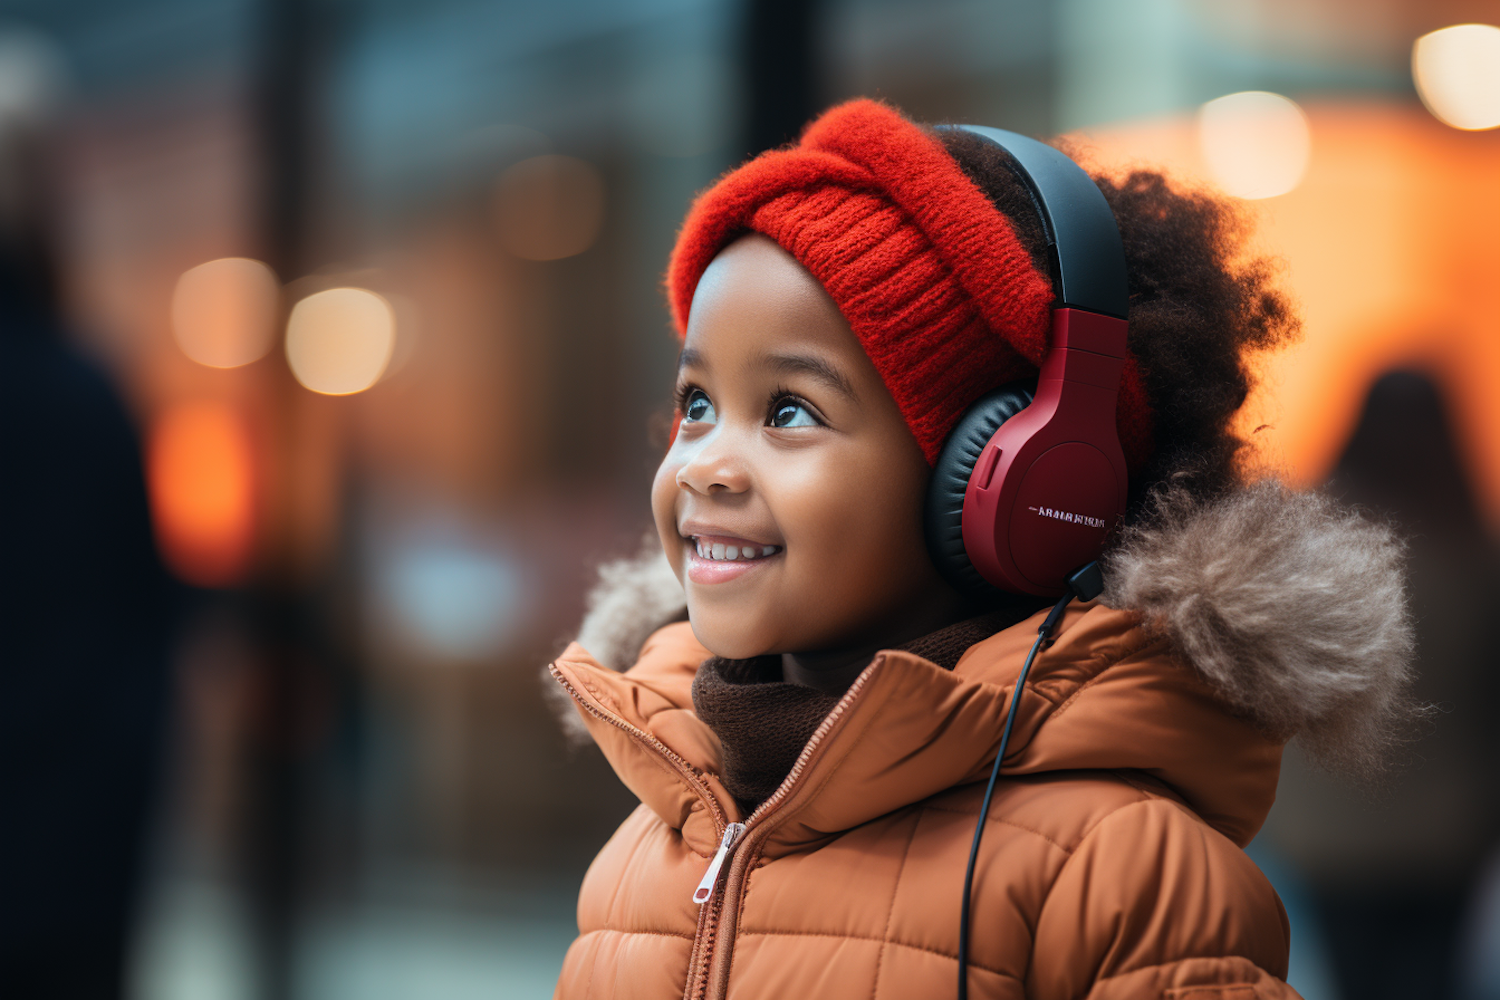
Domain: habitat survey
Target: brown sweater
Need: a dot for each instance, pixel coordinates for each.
(763, 721)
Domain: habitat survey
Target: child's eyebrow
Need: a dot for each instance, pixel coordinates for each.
(689, 358)
(815, 368)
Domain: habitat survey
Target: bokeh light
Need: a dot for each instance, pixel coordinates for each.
(451, 599)
(549, 207)
(339, 341)
(224, 311)
(200, 474)
(1457, 73)
(33, 76)
(1255, 144)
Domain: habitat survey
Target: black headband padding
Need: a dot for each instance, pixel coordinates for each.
(944, 512)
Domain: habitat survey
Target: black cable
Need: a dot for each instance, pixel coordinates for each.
(1086, 584)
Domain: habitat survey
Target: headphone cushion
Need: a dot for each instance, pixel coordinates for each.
(943, 514)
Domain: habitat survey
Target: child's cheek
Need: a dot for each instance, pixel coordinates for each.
(664, 492)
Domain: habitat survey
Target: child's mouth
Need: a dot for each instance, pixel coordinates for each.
(719, 559)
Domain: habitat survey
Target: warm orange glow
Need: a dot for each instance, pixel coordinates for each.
(1457, 73)
(1256, 144)
(224, 311)
(200, 475)
(1392, 253)
(339, 341)
(549, 207)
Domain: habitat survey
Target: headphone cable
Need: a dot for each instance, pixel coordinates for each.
(1085, 583)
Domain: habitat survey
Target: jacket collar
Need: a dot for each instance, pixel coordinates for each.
(1104, 695)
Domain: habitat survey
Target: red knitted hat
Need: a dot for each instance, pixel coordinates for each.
(929, 274)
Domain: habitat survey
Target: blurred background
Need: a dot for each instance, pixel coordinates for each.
(334, 356)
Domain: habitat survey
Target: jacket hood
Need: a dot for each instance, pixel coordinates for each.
(1225, 629)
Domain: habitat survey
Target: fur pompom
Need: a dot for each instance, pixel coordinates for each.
(1292, 607)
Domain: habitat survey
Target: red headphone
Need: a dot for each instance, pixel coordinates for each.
(1028, 485)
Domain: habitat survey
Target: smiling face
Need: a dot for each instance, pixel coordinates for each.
(790, 502)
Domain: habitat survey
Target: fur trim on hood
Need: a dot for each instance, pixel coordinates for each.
(1290, 606)
(632, 598)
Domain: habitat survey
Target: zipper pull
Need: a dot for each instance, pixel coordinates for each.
(732, 834)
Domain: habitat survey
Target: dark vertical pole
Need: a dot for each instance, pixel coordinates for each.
(780, 52)
(284, 115)
(274, 801)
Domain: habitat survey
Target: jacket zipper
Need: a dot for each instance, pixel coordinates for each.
(706, 982)
(685, 770)
(735, 845)
(710, 881)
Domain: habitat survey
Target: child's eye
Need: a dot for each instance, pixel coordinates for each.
(698, 409)
(791, 413)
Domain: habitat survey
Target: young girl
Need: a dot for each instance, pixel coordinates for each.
(811, 745)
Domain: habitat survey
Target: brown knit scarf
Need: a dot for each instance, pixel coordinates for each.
(763, 722)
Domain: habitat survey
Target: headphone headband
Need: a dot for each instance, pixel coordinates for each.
(1082, 237)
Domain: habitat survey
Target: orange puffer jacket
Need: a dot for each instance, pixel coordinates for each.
(1111, 865)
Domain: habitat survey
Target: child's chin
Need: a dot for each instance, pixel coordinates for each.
(728, 641)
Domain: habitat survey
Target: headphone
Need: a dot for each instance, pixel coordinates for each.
(1029, 484)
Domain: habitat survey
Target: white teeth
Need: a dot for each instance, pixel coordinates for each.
(721, 552)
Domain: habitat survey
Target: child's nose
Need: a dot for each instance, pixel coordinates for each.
(715, 467)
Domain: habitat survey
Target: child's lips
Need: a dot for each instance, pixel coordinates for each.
(721, 558)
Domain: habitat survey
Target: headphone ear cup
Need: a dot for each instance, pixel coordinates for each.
(943, 515)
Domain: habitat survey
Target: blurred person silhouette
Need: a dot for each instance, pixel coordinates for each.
(1393, 871)
(84, 623)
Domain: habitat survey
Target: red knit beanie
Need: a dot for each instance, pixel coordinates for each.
(929, 274)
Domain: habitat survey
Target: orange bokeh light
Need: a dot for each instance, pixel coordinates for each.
(1255, 144)
(339, 341)
(224, 311)
(1457, 73)
(200, 472)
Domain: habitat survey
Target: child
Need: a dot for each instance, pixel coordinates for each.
(810, 747)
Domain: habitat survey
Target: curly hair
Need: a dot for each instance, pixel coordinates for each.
(1196, 308)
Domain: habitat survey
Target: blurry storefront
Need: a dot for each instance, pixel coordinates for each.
(379, 284)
